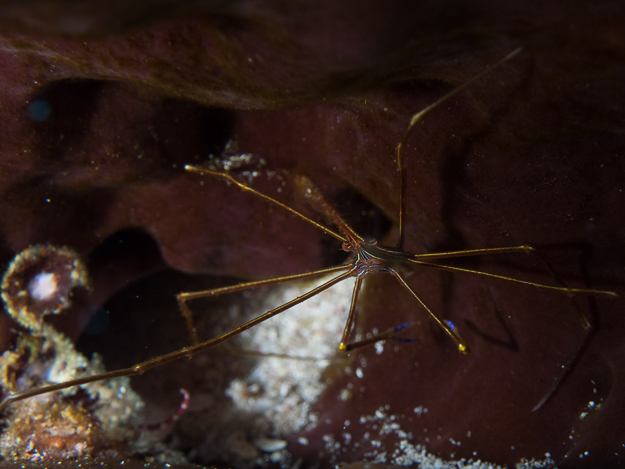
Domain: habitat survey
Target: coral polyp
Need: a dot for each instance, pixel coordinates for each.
(39, 281)
(95, 420)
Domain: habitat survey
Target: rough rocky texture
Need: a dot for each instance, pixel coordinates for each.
(530, 154)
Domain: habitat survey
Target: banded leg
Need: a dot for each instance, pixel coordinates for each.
(415, 119)
(183, 298)
(563, 289)
(389, 334)
(186, 352)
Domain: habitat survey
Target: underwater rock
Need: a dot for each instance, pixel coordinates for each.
(99, 118)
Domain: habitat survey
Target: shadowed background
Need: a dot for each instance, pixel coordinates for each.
(103, 103)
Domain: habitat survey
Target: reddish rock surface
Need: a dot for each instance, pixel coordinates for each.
(533, 153)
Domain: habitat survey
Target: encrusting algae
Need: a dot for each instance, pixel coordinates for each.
(94, 420)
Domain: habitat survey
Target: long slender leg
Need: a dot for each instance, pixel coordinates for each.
(572, 358)
(246, 188)
(447, 326)
(476, 252)
(585, 320)
(452, 331)
(416, 259)
(183, 298)
(283, 356)
(416, 118)
(389, 334)
(343, 345)
(586, 324)
(184, 352)
(564, 290)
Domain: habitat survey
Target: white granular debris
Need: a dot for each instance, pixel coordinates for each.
(296, 346)
(231, 159)
(535, 464)
(270, 445)
(405, 453)
(345, 394)
(380, 458)
(389, 428)
(278, 457)
(331, 444)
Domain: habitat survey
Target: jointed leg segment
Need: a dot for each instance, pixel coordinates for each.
(184, 297)
(187, 351)
(386, 259)
(563, 289)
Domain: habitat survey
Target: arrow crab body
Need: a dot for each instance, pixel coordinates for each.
(368, 258)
